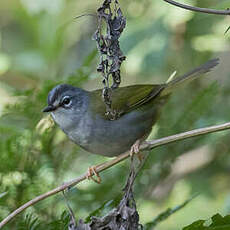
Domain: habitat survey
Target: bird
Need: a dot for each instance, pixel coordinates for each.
(81, 114)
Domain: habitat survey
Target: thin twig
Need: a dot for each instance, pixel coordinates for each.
(197, 9)
(83, 15)
(108, 164)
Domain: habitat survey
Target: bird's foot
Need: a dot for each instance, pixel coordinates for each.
(92, 172)
(135, 148)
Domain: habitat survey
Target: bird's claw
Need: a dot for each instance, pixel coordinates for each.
(92, 172)
(135, 148)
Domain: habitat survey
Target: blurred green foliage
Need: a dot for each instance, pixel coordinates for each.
(41, 45)
(216, 222)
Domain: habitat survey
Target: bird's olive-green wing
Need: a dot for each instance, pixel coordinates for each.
(125, 99)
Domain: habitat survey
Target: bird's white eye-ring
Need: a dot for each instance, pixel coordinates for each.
(66, 100)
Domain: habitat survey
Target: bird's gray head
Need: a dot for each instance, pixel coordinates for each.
(67, 105)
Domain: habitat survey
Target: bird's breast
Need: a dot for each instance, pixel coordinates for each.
(111, 138)
(80, 133)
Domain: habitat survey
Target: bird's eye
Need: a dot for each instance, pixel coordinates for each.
(66, 101)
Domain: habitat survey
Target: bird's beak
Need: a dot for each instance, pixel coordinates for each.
(49, 108)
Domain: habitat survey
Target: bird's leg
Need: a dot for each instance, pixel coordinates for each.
(135, 149)
(92, 172)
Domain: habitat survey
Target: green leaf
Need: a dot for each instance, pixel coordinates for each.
(30, 223)
(217, 223)
(164, 215)
(99, 210)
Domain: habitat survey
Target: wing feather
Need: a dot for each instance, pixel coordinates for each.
(125, 99)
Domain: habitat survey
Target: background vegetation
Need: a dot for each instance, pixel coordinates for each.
(42, 45)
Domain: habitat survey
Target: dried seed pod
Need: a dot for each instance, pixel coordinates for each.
(111, 56)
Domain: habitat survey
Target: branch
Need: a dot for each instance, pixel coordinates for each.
(197, 9)
(148, 145)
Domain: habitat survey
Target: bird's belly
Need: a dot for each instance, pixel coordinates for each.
(111, 138)
(110, 144)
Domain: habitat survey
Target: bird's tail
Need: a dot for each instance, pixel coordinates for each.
(174, 83)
